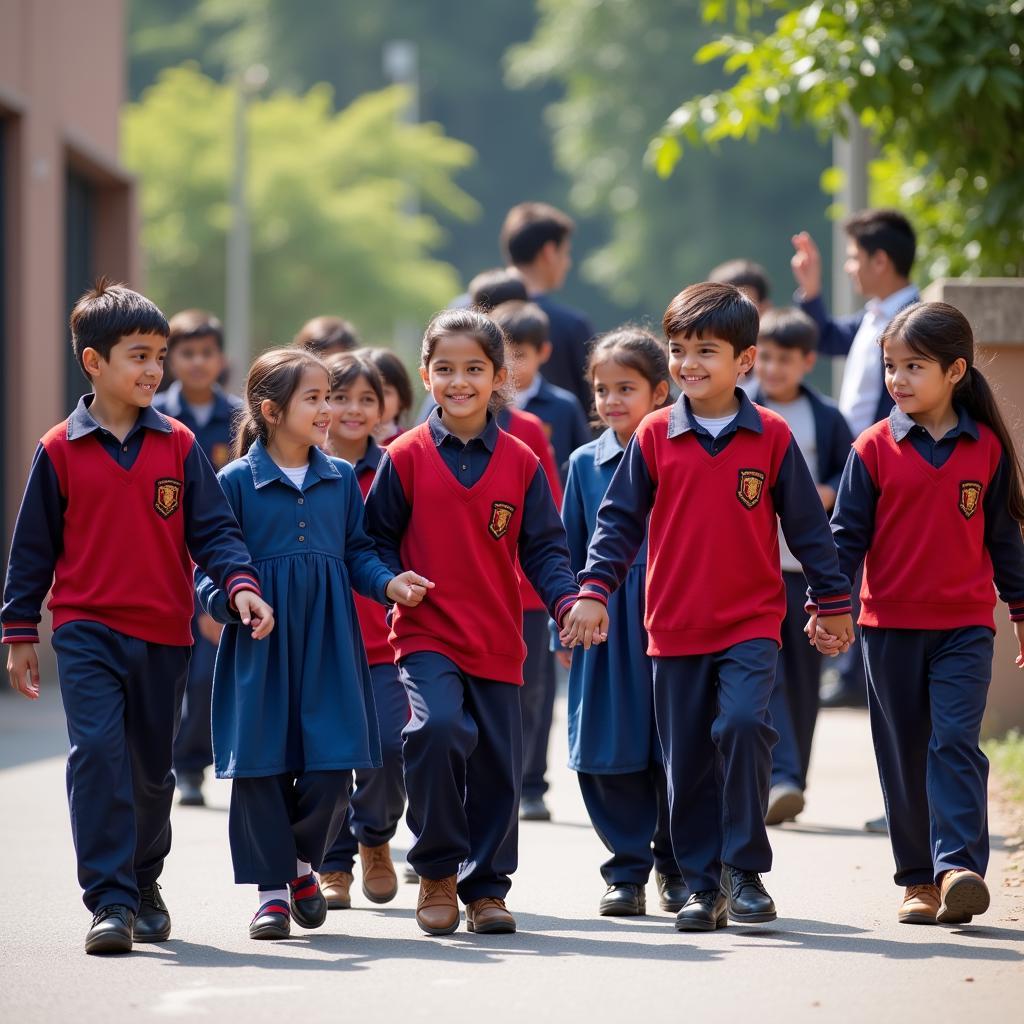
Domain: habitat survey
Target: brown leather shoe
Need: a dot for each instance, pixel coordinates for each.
(335, 886)
(964, 894)
(489, 916)
(437, 909)
(920, 904)
(380, 883)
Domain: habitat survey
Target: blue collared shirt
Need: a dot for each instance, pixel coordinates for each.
(467, 460)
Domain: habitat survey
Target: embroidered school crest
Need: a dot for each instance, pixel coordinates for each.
(220, 454)
(501, 516)
(751, 484)
(168, 496)
(970, 497)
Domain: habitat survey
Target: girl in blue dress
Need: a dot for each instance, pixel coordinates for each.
(613, 747)
(293, 717)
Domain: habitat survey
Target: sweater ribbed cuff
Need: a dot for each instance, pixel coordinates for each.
(20, 633)
(562, 606)
(595, 590)
(837, 604)
(1017, 611)
(239, 581)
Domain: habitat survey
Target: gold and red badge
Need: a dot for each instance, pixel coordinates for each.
(970, 497)
(751, 484)
(501, 517)
(168, 496)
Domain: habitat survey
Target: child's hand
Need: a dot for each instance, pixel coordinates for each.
(23, 668)
(806, 265)
(838, 630)
(1018, 632)
(811, 629)
(585, 623)
(564, 658)
(255, 612)
(209, 628)
(407, 589)
(826, 643)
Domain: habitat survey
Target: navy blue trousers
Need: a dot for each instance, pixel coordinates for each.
(122, 698)
(463, 765)
(378, 798)
(630, 815)
(538, 701)
(794, 702)
(277, 820)
(712, 716)
(193, 746)
(926, 696)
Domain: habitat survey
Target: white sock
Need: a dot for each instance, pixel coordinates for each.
(302, 867)
(266, 895)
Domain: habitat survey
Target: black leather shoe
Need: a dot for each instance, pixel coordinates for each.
(111, 930)
(703, 912)
(749, 902)
(190, 789)
(308, 903)
(533, 808)
(272, 921)
(672, 892)
(153, 921)
(626, 899)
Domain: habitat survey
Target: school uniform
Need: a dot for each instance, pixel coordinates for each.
(823, 436)
(460, 514)
(378, 797)
(562, 415)
(215, 433)
(715, 602)
(613, 746)
(115, 525)
(294, 714)
(929, 520)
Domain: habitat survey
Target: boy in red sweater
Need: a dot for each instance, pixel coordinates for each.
(716, 474)
(120, 500)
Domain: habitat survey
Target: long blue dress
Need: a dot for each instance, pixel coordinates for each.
(300, 700)
(611, 704)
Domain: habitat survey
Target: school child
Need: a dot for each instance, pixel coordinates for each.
(120, 500)
(378, 799)
(931, 501)
(786, 351)
(327, 336)
(294, 716)
(526, 325)
(716, 474)
(195, 361)
(613, 747)
(397, 392)
(462, 498)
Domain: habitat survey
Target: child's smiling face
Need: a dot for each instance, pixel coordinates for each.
(133, 371)
(461, 378)
(355, 411)
(706, 369)
(307, 417)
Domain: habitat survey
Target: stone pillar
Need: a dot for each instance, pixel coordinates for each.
(995, 309)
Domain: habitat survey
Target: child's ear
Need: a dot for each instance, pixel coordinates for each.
(270, 411)
(500, 378)
(660, 395)
(91, 362)
(810, 360)
(746, 359)
(425, 377)
(545, 352)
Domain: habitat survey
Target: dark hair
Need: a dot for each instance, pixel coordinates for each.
(718, 310)
(476, 325)
(491, 288)
(634, 347)
(529, 227)
(743, 274)
(345, 368)
(939, 331)
(524, 323)
(392, 374)
(887, 230)
(190, 324)
(789, 328)
(323, 334)
(108, 312)
(275, 375)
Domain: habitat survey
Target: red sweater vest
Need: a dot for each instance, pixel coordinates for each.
(465, 540)
(713, 573)
(124, 561)
(927, 566)
(372, 616)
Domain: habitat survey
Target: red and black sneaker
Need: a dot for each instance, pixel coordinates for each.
(272, 921)
(309, 906)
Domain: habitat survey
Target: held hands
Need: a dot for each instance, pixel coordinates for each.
(806, 265)
(831, 634)
(23, 668)
(408, 589)
(255, 612)
(1018, 632)
(585, 623)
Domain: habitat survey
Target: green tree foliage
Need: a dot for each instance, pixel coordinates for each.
(618, 62)
(938, 85)
(327, 195)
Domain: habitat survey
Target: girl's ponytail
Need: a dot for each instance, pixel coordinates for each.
(245, 434)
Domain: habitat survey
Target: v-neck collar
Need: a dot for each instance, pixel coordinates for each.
(466, 494)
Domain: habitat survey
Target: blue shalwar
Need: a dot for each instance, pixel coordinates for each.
(294, 713)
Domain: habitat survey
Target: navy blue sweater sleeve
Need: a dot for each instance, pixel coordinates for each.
(835, 334)
(621, 525)
(387, 514)
(368, 573)
(805, 527)
(543, 554)
(212, 533)
(37, 543)
(1004, 542)
(853, 518)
